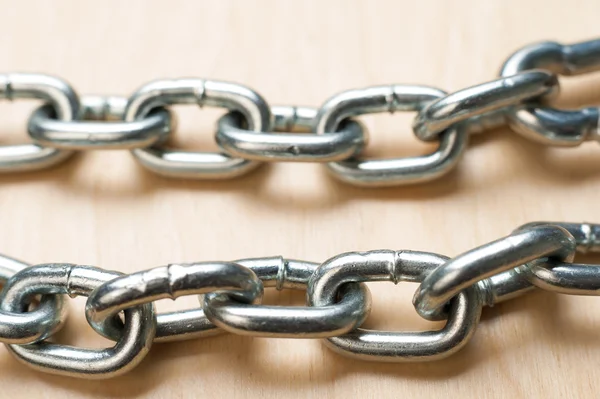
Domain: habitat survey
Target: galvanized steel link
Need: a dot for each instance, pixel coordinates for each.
(170, 281)
(386, 172)
(65, 103)
(21, 326)
(482, 100)
(348, 312)
(491, 259)
(565, 277)
(536, 254)
(545, 124)
(347, 141)
(131, 348)
(189, 164)
(394, 266)
(250, 133)
(101, 126)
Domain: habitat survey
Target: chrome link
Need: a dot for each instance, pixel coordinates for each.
(133, 345)
(536, 254)
(59, 95)
(340, 317)
(568, 278)
(347, 141)
(101, 126)
(548, 125)
(22, 326)
(171, 282)
(482, 100)
(563, 278)
(465, 270)
(394, 266)
(388, 172)
(587, 235)
(515, 282)
(197, 165)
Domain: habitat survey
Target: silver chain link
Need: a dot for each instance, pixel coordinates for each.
(253, 132)
(121, 307)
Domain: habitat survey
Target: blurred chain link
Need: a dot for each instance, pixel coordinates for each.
(252, 132)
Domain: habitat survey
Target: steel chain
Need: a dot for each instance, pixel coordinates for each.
(253, 132)
(121, 307)
(338, 302)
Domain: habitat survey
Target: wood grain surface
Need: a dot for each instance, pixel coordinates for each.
(101, 208)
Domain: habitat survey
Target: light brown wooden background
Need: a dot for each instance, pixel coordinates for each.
(102, 209)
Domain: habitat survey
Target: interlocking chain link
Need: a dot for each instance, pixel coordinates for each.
(252, 132)
(121, 307)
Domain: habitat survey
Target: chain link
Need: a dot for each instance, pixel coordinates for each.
(538, 254)
(121, 307)
(100, 126)
(73, 280)
(548, 125)
(58, 95)
(170, 281)
(252, 132)
(349, 310)
(346, 269)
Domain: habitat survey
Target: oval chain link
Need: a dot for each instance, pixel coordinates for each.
(22, 326)
(491, 259)
(548, 125)
(537, 254)
(345, 142)
(395, 266)
(73, 280)
(386, 172)
(59, 95)
(349, 312)
(101, 126)
(252, 132)
(483, 100)
(197, 165)
(170, 281)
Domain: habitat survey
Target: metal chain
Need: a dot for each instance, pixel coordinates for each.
(121, 307)
(253, 132)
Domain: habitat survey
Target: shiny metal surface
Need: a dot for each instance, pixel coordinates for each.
(481, 100)
(171, 282)
(563, 277)
(465, 270)
(545, 124)
(22, 325)
(395, 266)
(59, 95)
(251, 133)
(344, 315)
(189, 164)
(387, 172)
(100, 127)
(538, 254)
(347, 141)
(132, 347)
(587, 235)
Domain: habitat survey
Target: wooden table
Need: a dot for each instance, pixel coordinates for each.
(101, 208)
